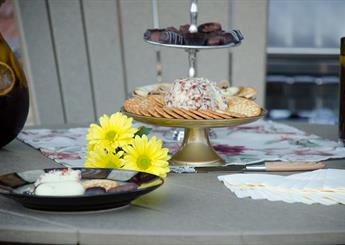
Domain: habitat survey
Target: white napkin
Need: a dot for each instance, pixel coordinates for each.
(324, 186)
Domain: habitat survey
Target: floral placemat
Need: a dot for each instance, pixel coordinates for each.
(251, 143)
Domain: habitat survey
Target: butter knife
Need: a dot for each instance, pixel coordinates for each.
(264, 166)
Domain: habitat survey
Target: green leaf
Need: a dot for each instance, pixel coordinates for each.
(142, 130)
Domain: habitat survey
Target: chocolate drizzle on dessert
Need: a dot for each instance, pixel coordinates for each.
(171, 37)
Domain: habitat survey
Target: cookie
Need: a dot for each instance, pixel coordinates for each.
(246, 92)
(243, 106)
(104, 183)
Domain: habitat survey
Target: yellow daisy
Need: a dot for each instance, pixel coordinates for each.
(114, 131)
(103, 158)
(147, 156)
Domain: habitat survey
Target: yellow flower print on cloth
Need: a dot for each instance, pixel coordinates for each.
(147, 156)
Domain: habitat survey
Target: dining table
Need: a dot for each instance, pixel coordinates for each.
(189, 208)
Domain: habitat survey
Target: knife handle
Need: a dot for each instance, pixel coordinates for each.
(293, 166)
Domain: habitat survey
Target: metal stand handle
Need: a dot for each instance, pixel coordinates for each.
(193, 29)
(193, 17)
(192, 62)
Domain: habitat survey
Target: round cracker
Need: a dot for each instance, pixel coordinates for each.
(210, 114)
(231, 114)
(153, 112)
(161, 112)
(243, 106)
(246, 92)
(201, 114)
(181, 113)
(220, 115)
(158, 99)
(191, 114)
(172, 113)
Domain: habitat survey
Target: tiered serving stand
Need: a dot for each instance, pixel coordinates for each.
(196, 149)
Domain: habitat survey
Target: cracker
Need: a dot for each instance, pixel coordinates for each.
(144, 112)
(161, 112)
(243, 106)
(172, 113)
(153, 112)
(219, 115)
(231, 114)
(131, 105)
(201, 114)
(181, 113)
(141, 105)
(191, 114)
(210, 114)
(158, 99)
(222, 115)
(246, 92)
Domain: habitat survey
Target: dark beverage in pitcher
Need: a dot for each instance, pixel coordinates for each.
(14, 95)
(342, 93)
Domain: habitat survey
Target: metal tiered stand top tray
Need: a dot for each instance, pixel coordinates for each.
(197, 47)
(196, 149)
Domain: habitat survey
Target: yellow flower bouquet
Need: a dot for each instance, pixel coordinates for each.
(116, 144)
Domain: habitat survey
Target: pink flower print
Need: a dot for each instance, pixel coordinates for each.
(60, 155)
(308, 152)
(229, 150)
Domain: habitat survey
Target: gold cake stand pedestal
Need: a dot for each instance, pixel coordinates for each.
(196, 149)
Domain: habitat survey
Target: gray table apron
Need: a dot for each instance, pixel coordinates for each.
(187, 209)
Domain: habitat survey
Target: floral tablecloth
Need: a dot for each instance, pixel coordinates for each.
(251, 143)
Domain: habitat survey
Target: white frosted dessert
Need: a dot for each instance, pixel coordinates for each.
(195, 94)
(59, 183)
(69, 188)
(59, 176)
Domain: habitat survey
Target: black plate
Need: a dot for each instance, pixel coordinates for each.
(15, 186)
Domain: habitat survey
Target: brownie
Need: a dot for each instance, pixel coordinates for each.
(194, 38)
(184, 28)
(209, 27)
(214, 40)
(172, 29)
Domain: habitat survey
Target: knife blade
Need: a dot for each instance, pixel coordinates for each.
(264, 166)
